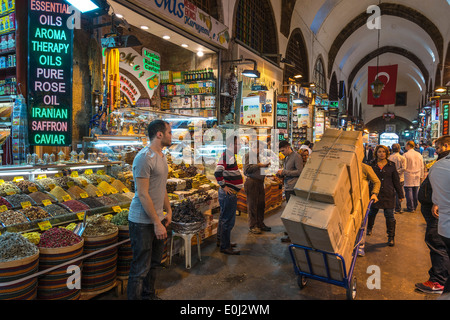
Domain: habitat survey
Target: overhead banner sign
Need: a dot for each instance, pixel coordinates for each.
(50, 57)
(190, 18)
(387, 75)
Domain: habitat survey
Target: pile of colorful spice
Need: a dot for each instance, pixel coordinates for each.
(13, 246)
(97, 225)
(58, 238)
(39, 196)
(3, 202)
(55, 210)
(11, 217)
(25, 186)
(34, 213)
(59, 193)
(121, 218)
(47, 183)
(16, 200)
(75, 205)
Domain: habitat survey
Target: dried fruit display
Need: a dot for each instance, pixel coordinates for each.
(35, 213)
(8, 186)
(4, 202)
(58, 238)
(25, 185)
(16, 200)
(46, 183)
(185, 212)
(63, 181)
(13, 246)
(107, 201)
(33, 237)
(11, 217)
(97, 225)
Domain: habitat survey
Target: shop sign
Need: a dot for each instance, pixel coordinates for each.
(144, 67)
(50, 57)
(189, 17)
(282, 117)
(333, 104)
(128, 88)
(251, 110)
(445, 118)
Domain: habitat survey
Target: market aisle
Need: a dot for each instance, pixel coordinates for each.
(264, 269)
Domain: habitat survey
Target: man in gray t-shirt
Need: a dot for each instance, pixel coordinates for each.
(147, 222)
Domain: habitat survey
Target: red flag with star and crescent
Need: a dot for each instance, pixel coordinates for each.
(387, 75)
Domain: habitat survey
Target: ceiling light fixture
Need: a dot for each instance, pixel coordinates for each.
(200, 53)
(166, 37)
(84, 5)
(184, 45)
(298, 76)
(144, 27)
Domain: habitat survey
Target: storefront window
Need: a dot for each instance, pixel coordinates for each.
(319, 77)
(255, 26)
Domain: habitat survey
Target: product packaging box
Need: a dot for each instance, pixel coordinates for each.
(315, 224)
(333, 137)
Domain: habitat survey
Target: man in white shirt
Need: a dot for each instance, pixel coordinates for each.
(440, 181)
(414, 174)
(400, 164)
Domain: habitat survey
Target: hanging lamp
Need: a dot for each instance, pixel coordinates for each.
(377, 86)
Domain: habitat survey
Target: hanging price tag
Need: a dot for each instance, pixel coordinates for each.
(84, 195)
(32, 189)
(114, 191)
(88, 171)
(70, 184)
(16, 179)
(25, 204)
(101, 172)
(117, 209)
(46, 202)
(3, 208)
(125, 190)
(51, 186)
(41, 176)
(2, 181)
(74, 174)
(58, 175)
(99, 194)
(44, 225)
(10, 192)
(80, 215)
(67, 198)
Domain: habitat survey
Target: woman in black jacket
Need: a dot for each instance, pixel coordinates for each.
(390, 182)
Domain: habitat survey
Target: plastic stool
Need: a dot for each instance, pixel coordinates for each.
(187, 238)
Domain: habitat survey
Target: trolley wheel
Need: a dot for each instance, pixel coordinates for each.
(302, 281)
(351, 290)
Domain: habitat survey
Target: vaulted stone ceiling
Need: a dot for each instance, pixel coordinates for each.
(414, 34)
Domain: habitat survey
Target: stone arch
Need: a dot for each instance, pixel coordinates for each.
(391, 9)
(388, 49)
(333, 92)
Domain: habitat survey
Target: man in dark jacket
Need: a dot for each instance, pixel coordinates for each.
(440, 261)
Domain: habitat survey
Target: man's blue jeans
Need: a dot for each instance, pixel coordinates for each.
(411, 194)
(147, 255)
(227, 218)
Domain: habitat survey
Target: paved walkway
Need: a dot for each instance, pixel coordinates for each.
(264, 270)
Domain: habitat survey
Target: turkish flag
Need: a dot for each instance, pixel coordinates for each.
(387, 75)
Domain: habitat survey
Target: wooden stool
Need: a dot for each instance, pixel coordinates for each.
(186, 249)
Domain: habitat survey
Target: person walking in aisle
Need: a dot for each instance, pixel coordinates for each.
(254, 189)
(230, 180)
(147, 222)
(440, 262)
(370, 176)
(293, 166)
(400, 164)
(414, 174)
(439, 178)
(390, 183)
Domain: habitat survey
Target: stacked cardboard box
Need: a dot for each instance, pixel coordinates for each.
(330, 203)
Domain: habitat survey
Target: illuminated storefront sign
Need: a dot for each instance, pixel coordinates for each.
(189, 17)
(445, 118)
(50, 56)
